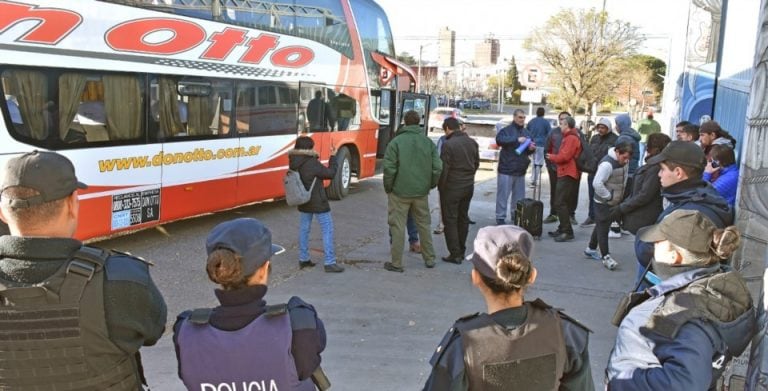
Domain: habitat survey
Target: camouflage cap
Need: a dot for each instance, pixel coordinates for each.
(688, 229)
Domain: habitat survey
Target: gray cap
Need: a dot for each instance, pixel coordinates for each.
(492, 240)
(688, 229)
(681, 152)
(246, 237)
(49, 173)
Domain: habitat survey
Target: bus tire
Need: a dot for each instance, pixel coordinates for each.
(339, 187)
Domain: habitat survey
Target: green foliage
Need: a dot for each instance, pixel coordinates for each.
(582, 47)
(407, 58)
(656, 67)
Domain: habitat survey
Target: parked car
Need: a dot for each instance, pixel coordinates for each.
(439, 114)
(479, 104)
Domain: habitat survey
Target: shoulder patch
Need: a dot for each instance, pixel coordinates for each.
(449, 337)
(303, 315)
(121, 267)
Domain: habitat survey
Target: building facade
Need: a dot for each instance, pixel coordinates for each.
(446, 41)
(487, 52)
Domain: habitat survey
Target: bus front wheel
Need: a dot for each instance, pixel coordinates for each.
(340, 184)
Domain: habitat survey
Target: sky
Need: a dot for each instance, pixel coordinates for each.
(417, 22)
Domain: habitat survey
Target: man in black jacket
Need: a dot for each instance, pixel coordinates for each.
(461, 160)
(600, 143)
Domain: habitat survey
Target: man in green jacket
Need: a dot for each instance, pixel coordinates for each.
(646, 127)
(411, 168)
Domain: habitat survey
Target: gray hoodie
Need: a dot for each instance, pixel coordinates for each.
(626, 133)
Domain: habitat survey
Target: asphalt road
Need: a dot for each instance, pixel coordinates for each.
(382, 326)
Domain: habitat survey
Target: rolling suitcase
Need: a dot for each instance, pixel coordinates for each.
(529, 212)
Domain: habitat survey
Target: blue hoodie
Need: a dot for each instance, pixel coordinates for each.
(626, 133)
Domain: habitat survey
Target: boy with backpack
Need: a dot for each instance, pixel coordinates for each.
(304, 159)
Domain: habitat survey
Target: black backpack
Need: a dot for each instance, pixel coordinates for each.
(586, 161)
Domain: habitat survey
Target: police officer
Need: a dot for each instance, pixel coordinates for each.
(73, 316)
(243, 341)
(522, 345)
(682, 333)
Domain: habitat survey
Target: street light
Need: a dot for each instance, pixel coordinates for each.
(418, 73)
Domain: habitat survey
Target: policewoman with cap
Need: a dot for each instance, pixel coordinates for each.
(244, 344)
(681, 333)
(517, 344)
(73, 316)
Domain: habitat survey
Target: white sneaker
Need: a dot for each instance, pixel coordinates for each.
(609, 262)
(614, 235)
(594, 254)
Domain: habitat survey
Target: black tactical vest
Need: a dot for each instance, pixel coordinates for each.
(53, 334)
(531, 357)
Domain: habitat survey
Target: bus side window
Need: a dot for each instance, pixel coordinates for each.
(166, 108)
(345, 110)
(96, 108)
(32, 114)
(245, 105)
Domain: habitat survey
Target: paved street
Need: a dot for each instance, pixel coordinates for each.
(382, 326)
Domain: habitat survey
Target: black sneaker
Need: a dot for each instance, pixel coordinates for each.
(456, 261)
(564, 237)
(305, 264)
(333, 268)
(389, 266)
(554, 233)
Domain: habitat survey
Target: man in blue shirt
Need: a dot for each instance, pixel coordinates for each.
(539, 129)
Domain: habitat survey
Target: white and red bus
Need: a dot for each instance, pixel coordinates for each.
(175, 108)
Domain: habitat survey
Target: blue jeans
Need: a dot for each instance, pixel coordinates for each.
(326, 225)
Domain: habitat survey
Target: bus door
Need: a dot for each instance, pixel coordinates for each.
(199, 157)
(318, 119)
(387, 109)
(421, 103)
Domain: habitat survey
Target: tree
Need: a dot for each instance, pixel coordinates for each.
(512, 81)
(580, 46)
(657, 69)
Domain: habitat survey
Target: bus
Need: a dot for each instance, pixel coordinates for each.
(175, 108)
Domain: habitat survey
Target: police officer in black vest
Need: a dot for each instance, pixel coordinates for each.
(73, 316)
(244, 341)
(517, 345)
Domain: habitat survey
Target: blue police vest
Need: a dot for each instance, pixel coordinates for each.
(254, 358)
